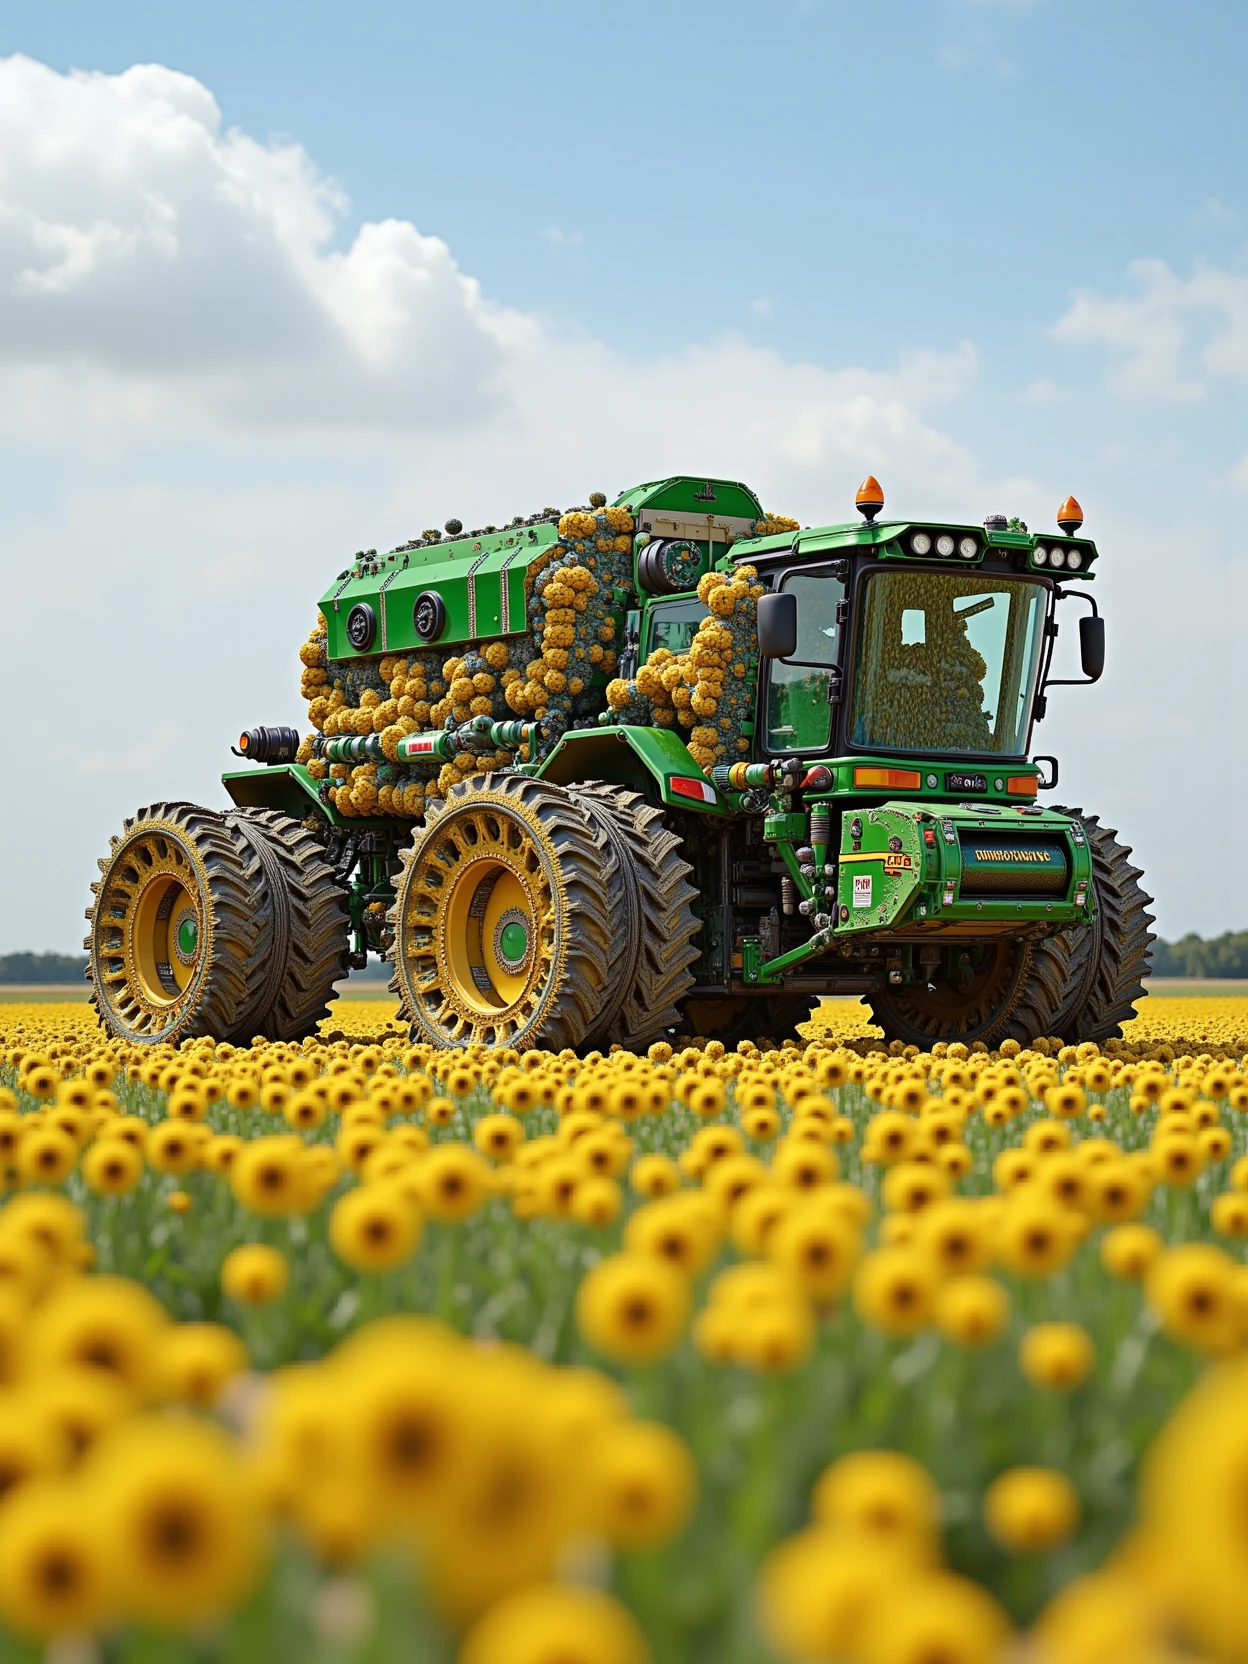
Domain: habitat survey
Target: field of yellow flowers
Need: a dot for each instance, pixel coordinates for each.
(838, 1352)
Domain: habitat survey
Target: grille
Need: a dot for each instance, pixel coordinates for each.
(993, 865)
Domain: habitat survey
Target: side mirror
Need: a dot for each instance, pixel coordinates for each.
(1091, 645)
(777, 625)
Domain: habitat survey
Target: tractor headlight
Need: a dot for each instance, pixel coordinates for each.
(1040, 555)
(1074, 559)
(920, 543)
(1056, 557)
(944, 545)
(968, 548)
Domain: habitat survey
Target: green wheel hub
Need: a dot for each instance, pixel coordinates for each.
(513, 942)
(188, 938)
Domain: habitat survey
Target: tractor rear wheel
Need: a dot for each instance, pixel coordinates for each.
(650, 966)
(1004, 995)
(176, 929)
(502, 921)
(738, 1017)
(1102, 966)
(303, 923)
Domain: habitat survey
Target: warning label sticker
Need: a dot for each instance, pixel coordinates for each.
(862, 891)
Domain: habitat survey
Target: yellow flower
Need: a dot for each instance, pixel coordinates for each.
(818, 1249)
(954, 1232)
(549, 1622)
(643, 1483)
(597, 1202)
(195, 1361)
(1057, 1355)
(453, 1182)
(1129, 1250)
(1229, 1214)
(893, 1289)
(255, 1274)
(882, 1494)
(106, 1323)
(179, 1520)
(374, 1228)
(936, 1616)
(172, 1148)
(1033, 1238)
(53, 1568)
(674, 1229)
(972, 1310)
(1100, 1619)
(81, 1403)
(265, 1177)
(1031, 1510)
(1190, 1289)
(654, 1176)
(112, 1167)
(820, 1589)
(498, 1136)
(1191, 1505)
(46, 1156)
(633, 1307)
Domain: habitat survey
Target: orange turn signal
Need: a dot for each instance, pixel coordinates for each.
(1023, 785)
(897, 779)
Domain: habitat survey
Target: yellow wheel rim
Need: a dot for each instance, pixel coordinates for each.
(477, 924)
(150, 928)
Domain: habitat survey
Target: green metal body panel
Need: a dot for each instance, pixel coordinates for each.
(481, 580)
(289, 788)
(628, 755)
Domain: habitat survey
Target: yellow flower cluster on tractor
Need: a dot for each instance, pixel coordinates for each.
(828, 1351)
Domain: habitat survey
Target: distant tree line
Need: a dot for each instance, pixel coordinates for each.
(42, 967)
(1221, 956)
(1225, 955)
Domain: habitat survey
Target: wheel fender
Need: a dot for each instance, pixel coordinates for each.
(626, 755)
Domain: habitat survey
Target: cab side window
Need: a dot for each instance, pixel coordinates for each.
(799, 717)
(673, 624)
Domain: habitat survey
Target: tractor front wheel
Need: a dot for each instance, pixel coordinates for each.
(1102, 966)
(998, 995)
(502, 922)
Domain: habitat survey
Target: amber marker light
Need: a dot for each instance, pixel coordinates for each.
(1070, 516)
(869, 499)
(896, 779)
(1022, 785)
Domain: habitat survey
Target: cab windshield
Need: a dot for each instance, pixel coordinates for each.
(946, 661)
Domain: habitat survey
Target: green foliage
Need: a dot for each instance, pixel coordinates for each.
(42, 967)
(1191, 955)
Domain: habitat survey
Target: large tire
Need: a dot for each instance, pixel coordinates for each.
(1007, 999)
(176, 930)
(502, 919)
(650, 970)
(304, 921)
(738, 1017)
(1100, 968)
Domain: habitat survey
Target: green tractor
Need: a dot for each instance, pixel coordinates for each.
(663, 765)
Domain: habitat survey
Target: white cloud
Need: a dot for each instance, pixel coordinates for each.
(1169, 336)
(559, 238)
(172, 288)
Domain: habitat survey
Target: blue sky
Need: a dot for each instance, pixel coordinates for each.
(352, 270)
